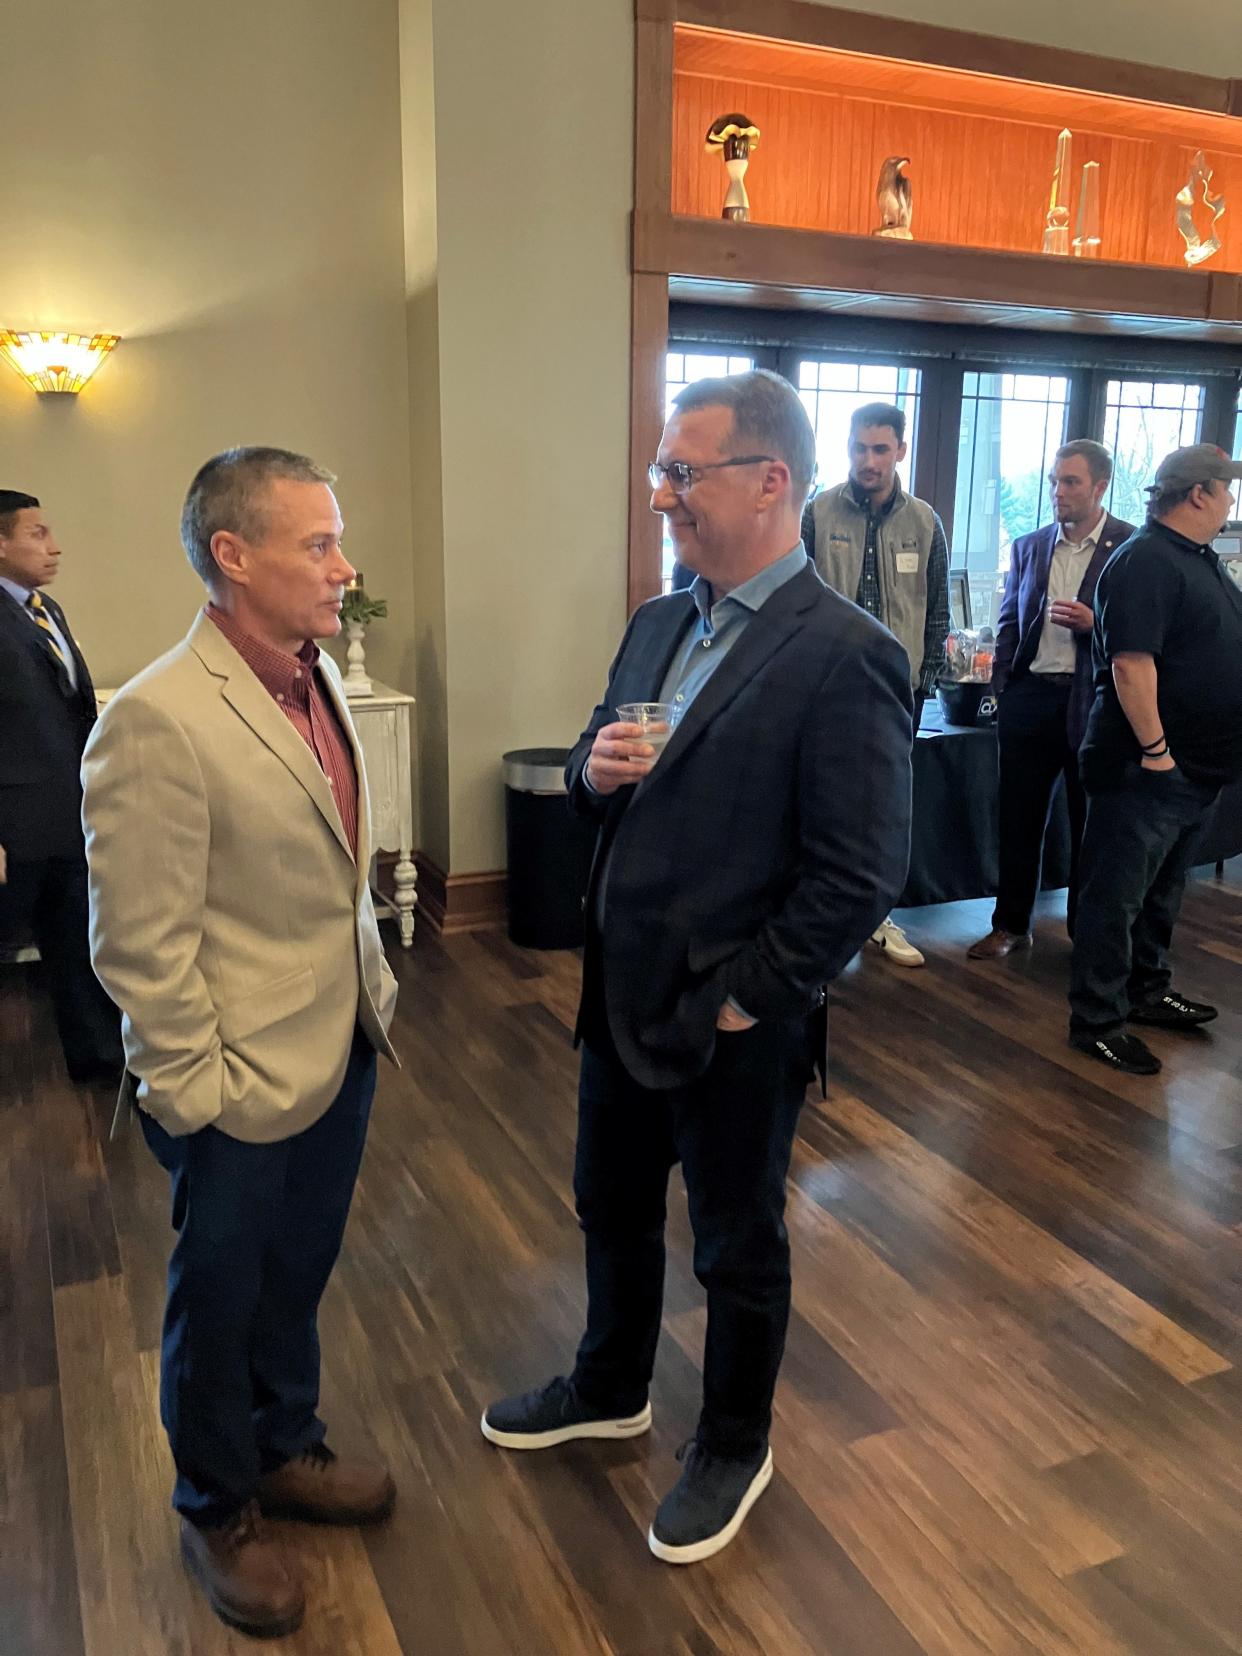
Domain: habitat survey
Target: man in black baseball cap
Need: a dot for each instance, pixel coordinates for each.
(1164, 736)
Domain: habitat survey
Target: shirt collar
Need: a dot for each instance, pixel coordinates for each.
(20, 593)
(752, 594)
(862, 499)
(285, 677)
(1091, 539)
(1178, 539)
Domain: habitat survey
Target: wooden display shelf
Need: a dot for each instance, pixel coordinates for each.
(959, 103)
(818, 270)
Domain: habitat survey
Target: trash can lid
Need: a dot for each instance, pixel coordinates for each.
(536, 770)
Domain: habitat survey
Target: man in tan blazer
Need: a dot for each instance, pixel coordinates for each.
(228, 841)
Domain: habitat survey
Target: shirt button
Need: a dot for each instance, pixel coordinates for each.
(707, 643)
(280, 698)
(331, 783)
(297, 672)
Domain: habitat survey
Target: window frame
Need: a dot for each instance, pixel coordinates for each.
(944, 353)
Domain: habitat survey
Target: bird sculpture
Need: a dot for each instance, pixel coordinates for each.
(895, 199)
(734, 136)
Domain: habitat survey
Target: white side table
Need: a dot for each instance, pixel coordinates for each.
(382, 721)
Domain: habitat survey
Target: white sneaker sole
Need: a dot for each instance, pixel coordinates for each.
(697, 1551)
(899, 958)
(630, 1426)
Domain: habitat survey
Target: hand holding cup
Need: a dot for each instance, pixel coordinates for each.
(624, 752)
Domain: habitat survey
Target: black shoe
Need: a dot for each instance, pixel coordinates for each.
(553, 1414)
(708, 1505)
(1172, 1012)
(1119, 1052)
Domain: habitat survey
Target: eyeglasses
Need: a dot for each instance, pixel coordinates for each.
(681, 478)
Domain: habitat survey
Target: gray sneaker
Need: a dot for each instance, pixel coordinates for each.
(553, 1414)
(708, 1505)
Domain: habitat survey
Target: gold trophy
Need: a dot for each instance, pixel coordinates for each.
(734, 136)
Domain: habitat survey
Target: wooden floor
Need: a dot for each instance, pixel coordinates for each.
(1010, 1419)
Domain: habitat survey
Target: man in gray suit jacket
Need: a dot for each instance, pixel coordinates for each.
(732, 880)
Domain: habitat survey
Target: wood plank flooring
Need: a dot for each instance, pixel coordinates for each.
(1010, 1420)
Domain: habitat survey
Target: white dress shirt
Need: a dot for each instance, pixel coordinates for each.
(1058, 648)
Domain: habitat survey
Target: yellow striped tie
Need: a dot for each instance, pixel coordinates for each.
(41, 620)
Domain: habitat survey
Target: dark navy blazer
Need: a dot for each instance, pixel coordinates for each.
(771, 838)
(1024, 607)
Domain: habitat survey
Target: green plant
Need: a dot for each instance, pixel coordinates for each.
(357, 606)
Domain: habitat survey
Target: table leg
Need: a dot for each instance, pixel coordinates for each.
(405, 894)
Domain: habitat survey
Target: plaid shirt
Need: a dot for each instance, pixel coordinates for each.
(936, 623)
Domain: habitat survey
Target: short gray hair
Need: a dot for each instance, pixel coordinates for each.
(228, 493)
(767, 414)
(1099, 459)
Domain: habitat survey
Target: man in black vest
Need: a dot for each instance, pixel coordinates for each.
(47, 707)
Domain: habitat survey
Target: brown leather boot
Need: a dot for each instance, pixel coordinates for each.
(249, 1579)
(997, 944)
(320, 1489)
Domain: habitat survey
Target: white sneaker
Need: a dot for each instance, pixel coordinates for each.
(896, 946)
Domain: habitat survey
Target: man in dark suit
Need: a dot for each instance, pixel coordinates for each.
(1042, 677)
(733, 878)
(47, 708)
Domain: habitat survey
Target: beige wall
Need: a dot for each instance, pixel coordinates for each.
(524, 322)
(222, 186)
(1201, 35)
(522, 317)
(225, 187)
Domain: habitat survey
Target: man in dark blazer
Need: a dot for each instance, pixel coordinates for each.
(47, 708)
(733, 879)
(1042, 678)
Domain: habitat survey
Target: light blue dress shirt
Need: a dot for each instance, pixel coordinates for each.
(719, 626)
(708, 641)
(22, 595)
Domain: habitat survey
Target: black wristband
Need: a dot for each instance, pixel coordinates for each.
(1160, 753)
(1161, 742)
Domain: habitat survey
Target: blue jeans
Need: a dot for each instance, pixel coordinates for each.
(259, 1227)
(1137, 848)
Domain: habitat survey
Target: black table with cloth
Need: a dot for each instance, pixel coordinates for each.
(953, 849)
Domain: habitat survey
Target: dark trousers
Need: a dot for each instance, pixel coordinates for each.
(1034, 752)
(732, 1132)
(259, 1227)
(48, 898)
(1138, 847)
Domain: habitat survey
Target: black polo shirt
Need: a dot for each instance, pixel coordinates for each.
(1164, 596)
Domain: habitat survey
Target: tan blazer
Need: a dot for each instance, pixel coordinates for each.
(229, 921)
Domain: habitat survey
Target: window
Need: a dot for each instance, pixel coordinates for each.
(1143, 421)
(682, 368)
(1012, 426)
(830, 393)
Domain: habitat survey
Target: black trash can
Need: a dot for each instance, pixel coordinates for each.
(549, 852)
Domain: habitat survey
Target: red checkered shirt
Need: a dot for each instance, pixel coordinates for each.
(293, 683)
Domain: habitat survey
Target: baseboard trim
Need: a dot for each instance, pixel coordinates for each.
(451, 903)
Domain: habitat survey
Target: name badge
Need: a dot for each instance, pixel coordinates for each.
(907, 563)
